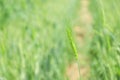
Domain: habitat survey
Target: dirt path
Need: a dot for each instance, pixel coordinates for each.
(80, 33)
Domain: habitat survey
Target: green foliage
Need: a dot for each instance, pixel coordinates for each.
(33, 44)
(69, 33)
(74, 48)
(105, 46)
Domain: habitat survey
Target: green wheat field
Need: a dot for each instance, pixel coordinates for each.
(37, 39)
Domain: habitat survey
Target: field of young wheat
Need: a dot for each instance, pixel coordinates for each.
(105, 46)
(33, 42)
(37, 39)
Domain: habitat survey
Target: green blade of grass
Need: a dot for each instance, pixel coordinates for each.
(72, 43)
(69, 34)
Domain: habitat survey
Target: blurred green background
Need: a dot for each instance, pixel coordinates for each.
(105, 50)
(33, 41)
(34, 44)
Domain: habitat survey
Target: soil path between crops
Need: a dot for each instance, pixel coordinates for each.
(85, 20)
